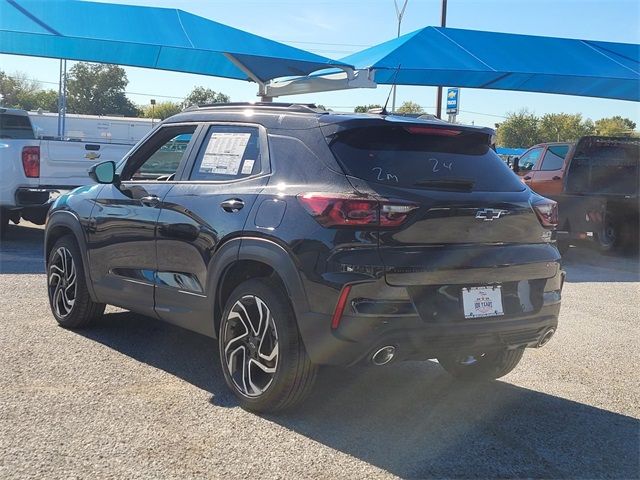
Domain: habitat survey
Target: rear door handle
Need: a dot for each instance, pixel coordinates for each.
(556, 178)
(232, 205)
(150, 200)
(527, 177)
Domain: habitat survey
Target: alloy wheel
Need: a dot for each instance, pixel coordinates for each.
(250, 346)
(62, 282)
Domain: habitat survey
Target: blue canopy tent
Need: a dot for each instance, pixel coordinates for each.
(475, 59)
(160, 38)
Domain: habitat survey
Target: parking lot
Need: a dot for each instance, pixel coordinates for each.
(135, 398)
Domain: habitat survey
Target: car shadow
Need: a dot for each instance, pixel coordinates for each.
(411, 419)
(21, 251)
(584, 264)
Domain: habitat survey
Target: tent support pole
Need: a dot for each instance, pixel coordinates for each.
(443, 23)
(252, 76)
(62, 98)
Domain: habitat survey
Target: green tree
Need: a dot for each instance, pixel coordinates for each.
(161, 110)
(563, 127)
(366, 108)
(18, 91)
(98, 89)
(615, 127)
(519, 130)
(203, 96)
(410, 107)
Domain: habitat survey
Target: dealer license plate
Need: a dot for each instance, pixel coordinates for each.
(481, 302)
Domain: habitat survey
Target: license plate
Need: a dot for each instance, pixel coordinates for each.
(481, 302)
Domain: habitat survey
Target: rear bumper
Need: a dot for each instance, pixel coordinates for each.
(359, 337)
(425, 321)
(42, 196)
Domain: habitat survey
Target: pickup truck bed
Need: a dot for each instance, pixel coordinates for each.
(34, 172)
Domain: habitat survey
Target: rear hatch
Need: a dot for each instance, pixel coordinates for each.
(472, 220)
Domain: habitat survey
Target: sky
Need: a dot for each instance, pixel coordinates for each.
(337, 28)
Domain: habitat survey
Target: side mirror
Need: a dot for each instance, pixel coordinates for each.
(516, 167)
(103, 172)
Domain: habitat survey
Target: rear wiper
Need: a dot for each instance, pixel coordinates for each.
(457, 184)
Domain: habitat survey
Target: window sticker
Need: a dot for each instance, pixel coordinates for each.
(247, 167)
(224, 153)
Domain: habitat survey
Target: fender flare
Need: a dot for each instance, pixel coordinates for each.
(69, 220)
(264, 251)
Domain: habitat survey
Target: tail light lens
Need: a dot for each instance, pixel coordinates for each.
(31, 161)
(547, 212)
(331, 210)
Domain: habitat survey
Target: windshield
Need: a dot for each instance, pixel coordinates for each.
(15, 126)
(423, 157)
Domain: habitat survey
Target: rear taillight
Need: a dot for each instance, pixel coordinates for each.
(547, 212)
(31, 161)
(334, 210)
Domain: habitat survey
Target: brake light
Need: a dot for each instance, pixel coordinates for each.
(547, 212)
(443, 132)
(335, 210)
(31, 161)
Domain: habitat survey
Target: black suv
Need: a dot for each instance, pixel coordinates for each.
(300, 237)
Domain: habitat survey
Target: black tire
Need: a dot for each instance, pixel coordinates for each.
(487, 366)
(294, 374)
(608, 238)
(4, 222)
(61, 282)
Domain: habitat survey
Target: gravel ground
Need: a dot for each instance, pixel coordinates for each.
(135, 398)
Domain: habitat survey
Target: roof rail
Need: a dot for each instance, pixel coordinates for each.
(296, 107)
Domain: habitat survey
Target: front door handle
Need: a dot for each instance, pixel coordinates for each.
(527, 177)
(232, 205)
(556, 178)
(150, 200)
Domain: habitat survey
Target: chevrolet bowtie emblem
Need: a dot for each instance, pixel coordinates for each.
(489, 214)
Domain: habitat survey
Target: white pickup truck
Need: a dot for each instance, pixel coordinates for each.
(34, 171)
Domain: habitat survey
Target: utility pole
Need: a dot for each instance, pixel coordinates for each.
(443, 23)
(399, 14)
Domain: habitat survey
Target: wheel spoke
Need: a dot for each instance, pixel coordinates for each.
(235, 341)
(247, 317)
(62, 282)
(250, 352)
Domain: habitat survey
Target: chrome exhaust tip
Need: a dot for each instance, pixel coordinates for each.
(384, 355)
(546, 337)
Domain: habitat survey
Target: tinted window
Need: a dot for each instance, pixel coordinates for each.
(415, 157)
(228, 153)
(15, 126)
(529, 160)
(554, 158)
(159, 157)
(605, 166)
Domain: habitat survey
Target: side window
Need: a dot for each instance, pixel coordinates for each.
(529, 160)
(228, 153)
(554, 158)
(159, 158)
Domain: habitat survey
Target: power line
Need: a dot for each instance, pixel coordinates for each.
(425, 107)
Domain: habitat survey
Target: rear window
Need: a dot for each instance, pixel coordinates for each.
(604, 166)
(15, 126)
(415, 157)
